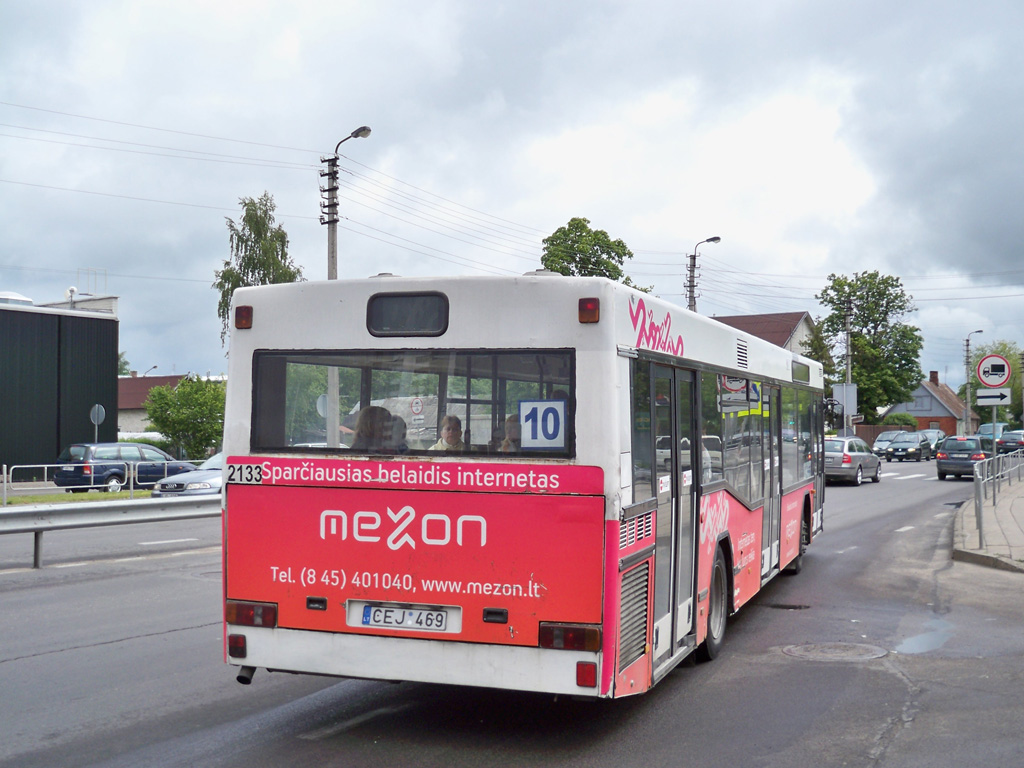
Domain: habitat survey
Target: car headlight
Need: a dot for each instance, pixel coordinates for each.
(202, 486)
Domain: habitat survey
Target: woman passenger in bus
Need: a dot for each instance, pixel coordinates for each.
(451, 435)
(373, 429)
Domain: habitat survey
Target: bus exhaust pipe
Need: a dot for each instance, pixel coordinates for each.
(245, 675)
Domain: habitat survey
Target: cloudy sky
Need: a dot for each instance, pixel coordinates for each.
(812, 137)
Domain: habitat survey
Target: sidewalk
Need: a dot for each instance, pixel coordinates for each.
(1003, 528)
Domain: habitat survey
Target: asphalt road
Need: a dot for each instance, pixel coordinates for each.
(111, 656)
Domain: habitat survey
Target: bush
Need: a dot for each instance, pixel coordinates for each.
(900, 420)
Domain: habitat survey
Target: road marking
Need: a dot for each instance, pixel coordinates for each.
(154, 556)
(908, 477)
(167, 541)
(844, 551)
(904, 529)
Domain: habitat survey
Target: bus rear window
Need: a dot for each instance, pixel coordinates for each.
(407, 314)
(394, 402)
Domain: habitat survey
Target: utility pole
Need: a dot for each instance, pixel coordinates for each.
(691, 272)
(967, 386)
(847, 416)
(329, 207)
(329, 216)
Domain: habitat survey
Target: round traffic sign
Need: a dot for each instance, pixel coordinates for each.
(993, 370)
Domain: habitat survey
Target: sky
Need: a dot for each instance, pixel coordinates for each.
(813, 138)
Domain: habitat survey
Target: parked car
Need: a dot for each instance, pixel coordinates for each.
(208, 479)
(850, 459)
(1010, 441)
(910, 446)
(957, 455)
(883, 440)
(935, 437)
(105, 466)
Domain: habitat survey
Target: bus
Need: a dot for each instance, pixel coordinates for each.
(538, 483)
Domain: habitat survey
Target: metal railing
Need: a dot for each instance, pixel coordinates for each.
(55, 517)
(8, 476)
(990, 476)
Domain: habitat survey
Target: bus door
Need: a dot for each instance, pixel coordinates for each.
(676, 466)
(772, 522)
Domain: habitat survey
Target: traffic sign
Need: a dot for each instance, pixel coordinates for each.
(993, 397)
(993, 370)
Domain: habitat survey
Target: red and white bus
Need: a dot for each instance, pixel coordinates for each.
(629, 474)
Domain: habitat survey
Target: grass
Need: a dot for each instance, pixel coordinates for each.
(61, 497)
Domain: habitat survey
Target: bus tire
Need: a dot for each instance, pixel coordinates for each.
(797, 563)
(718, 610)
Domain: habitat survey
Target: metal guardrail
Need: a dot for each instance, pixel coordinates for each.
(54, 517)
(8, 477)
(989, 477)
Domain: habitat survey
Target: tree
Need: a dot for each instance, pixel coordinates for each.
(124, 368)
(885, 351)
(817, 347)
(259, 255)
(191, 414)
(576, 249)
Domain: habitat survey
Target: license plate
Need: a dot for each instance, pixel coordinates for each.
(829, 460)
(413, 619)
(959, 455)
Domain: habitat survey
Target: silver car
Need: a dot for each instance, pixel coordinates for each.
(883, 440)
(207, 479)
(852, 460)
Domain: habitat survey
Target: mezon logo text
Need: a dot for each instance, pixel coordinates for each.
(434, 530)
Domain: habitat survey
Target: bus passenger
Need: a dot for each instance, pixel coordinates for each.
(513, 435)
(396, 441)
(373, 429)
(451, 435)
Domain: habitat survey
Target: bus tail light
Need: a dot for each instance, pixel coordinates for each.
(590, 310)
(569, 637)
(586, 674)
(237, 648)
(251, 614)
(243, 317)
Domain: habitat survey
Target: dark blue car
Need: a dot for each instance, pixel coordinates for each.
(106, 466)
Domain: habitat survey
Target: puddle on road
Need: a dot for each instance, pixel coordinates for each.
(938, 633)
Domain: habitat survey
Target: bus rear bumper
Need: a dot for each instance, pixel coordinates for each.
(401, 659)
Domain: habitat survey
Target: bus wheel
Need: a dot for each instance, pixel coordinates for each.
(797, 563)
(718, 609)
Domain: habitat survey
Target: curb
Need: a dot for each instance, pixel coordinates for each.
(975, 556)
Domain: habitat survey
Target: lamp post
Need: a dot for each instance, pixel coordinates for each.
(967, 384)
(151, 369)
(329, 216)
(329, 209)
(691, 283)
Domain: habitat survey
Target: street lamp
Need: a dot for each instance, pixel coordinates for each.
(329, 209)
(151, 369)
(967, 384)
(691, 283)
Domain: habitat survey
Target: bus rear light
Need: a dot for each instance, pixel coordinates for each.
(590, 310)
(251, 614)
(237, 649)
(243, 317)
(569, 637)
(586, 674)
